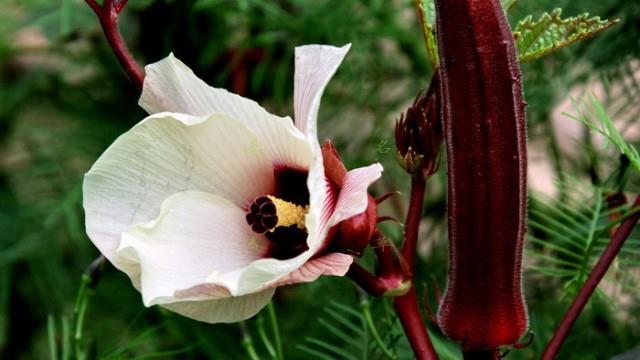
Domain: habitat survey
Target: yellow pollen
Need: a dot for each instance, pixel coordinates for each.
(289, 213)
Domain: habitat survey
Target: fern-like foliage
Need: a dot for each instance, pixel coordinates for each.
(591, 113)
(356, 329)
(537, 38)
(362, 333)
(568, 236)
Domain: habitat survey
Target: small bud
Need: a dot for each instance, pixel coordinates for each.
(354, 234)
(419, 134)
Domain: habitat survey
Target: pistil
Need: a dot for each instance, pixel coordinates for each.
(269, 212)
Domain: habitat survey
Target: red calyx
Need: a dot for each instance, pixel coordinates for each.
(485, 133)
(351, 236)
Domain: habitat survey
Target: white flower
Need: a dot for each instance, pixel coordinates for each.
(170, 202)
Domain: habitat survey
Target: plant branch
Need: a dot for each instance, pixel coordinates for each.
(108, 16)
(276, 331)
(247, 342)
(408, 312)
(366, 310)
(414, 214)
(406, 306)
(370, 283)
(603, 264)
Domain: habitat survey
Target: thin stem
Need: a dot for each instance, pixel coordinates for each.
(247, 342)
(406, 306)
(388, 260)
(88, 283)
(93, 5)
(276, 332)
(367, 281)
(556, 156)
(408, 312)
(366, 310)
(53, 345)
(609, 254)
(418, 185)
(108, 17)
(120, 5)
(265, 338)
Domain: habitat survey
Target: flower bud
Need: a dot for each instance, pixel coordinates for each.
(353, 235)
(419, 134)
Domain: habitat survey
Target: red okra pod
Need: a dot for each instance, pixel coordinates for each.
(485, 134)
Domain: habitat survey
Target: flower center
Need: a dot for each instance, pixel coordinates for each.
(269, 212)
(280, 217)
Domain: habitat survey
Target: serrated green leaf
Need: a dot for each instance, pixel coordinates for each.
(537, 38)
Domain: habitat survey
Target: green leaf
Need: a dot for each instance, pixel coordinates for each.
(591, 113)
(537, 38)
(568, 236)
(362, 337)
(427, 13)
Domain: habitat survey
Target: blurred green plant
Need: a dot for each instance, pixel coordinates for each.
(63, 100)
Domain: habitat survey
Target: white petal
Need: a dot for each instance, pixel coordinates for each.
(314, 67)
(223, 310)
(195, 235)
(170, 85)
(333, 264)
(259, 274)
(353, 196)
(273, 272)
(163, 155)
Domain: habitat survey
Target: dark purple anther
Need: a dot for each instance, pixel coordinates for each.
(262, 215)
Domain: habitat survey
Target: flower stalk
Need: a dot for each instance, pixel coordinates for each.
(418, 140)
(406, 306)
(108, 14)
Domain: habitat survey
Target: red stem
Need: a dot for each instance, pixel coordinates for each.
(412, 224)
(367, 281)
(393, 274)
(108, 17)
(406, 306)
(408, 312)
(591, 284)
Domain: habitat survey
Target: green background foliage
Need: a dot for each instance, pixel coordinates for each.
(63, 100)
